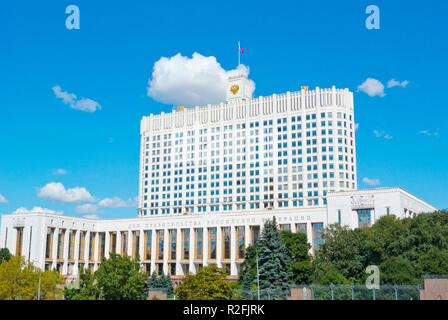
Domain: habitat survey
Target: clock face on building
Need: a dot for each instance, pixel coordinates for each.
(234, 88)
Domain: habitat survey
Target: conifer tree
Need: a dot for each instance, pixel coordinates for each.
(273, 259)
(153, 281)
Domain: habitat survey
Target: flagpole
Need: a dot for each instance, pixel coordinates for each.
(239, 54)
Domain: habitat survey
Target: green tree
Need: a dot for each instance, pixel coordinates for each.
(121, 278)
(208, 284)
(273, 259)
(298, 248)
(398, 270)
(343, 250)
(434, 261)
(85, 289)
(154, 281)
(334, 277)
(248, 273)
(161, 282)
(20, 280)
(4, 255)
(166, 284)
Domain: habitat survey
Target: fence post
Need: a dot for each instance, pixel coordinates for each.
(332, 293)
(396, 291)
(353, 293)
(251, 295)
(373, 292)
(312, 292)
(269, 295)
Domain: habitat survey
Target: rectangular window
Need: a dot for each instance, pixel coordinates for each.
(285, 227)
(172, 240)
(339, 216)
(61, 236)
(91, 246)
(212, 243)
(254, 234)
(226, 242)
(185, 244)
(124, 243)
(317, 235)
(113, 242)
(240, 244)
(82, 243)
(148, 240)
(136, 245)
(159, 237)
(71, 245)
(301, 227)
(199, 237)
(387, 210)
(19, 241)
(364, 218)
(49, 243)
(102, 236)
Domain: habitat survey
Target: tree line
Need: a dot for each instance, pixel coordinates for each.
(403, 249)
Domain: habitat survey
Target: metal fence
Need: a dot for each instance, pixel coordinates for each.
(338, 292)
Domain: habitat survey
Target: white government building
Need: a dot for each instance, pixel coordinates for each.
(209, 178)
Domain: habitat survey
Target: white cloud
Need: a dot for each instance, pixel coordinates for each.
(429, 133)
(371, 182)
(57, 192)
(372, 87)
(3, 199)
(192, 81)
(59, 171)
(87, 208)
(83, 104)
(23, 210)
(394, 83)
(382, 134)
(116, 202)
(91, 216)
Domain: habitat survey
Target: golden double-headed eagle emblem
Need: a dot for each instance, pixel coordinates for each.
(234, 88)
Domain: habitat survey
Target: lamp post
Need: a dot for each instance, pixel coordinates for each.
(258, 278)
(38, 291)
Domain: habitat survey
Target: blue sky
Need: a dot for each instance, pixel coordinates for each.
(401, 139)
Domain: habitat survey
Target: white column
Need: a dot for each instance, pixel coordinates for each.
(166, 244)
(86, 248)
(130, 243)
(107, 245)
(205, 247)
(65, 252)
(153, 250)
(141, 246)
(293, 228)
(118, 246)
(219, 246)
(247, 241)
(179, 246)
(76, 253)
(233, 267)
(309, 234)
(96, 250)
(26, 242)
(55, 247)
(192, 251)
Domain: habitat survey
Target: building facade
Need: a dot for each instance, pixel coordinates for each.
(211, 176)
